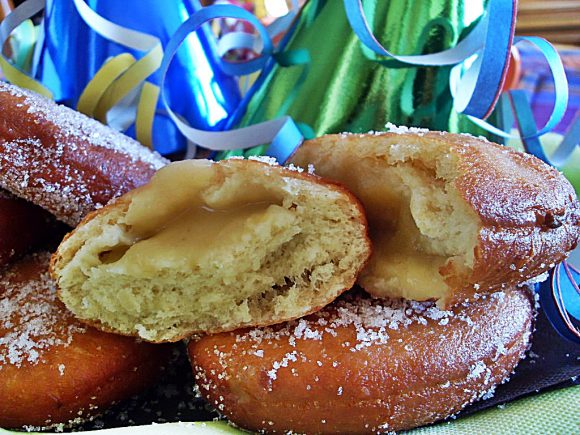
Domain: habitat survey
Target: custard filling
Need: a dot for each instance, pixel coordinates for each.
(188, 231)
(417, 225)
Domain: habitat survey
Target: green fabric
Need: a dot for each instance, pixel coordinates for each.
(554, 412)
(344, 90)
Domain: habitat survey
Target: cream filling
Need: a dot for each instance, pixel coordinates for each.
(174, 226)
(399, 266)
(418, 224)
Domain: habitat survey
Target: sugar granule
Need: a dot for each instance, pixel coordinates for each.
(32, 319)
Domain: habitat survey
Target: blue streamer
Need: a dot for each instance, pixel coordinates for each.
(527, 124)
(560, 81)
(464, 49)
(282, 133)
(492, 69)
(222, 11)
(477, 90)
(568, 144)
(480, 86)
(560, 298)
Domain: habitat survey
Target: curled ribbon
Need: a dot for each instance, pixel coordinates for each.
(470, 85)
(282, 134)
(19, 15)
(560, 299)
(122, 74)
(236, 40)
(476, 87)
(113, 82)
(560, 88)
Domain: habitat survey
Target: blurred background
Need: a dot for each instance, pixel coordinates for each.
(556, 20)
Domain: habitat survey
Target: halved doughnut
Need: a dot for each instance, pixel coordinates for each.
(53, 369)
(209, 247)
(364, 365)
(449, 215)
(64, 161)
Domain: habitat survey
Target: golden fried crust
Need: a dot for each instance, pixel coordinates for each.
(63, 161)
(362, 365)
(23, 226)
(529, 214)
(52, 368)
(529, 211)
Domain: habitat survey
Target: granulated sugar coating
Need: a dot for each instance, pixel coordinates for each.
(32, 320)
(372, 319)
(64, 161)
(361, 364)
(53, 370)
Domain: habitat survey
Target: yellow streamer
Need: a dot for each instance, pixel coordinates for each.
(146, 114)
(114, 80)
(19, 78)
(103, 79)
(133, 77)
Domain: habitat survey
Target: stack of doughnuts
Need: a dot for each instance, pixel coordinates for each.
(56, 166)
(386, 291)
(459, 228)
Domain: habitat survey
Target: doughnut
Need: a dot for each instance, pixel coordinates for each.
(235, 243)
(364, 365)
(53, 369)
(64, 161)
(449, 215)
(23, 227)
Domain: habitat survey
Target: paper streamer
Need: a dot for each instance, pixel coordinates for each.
(477, 87)
(19, 15)
(116, 79)
(560, 88)
(560, 299)
(563, 156)
(568, 145)
(282, 134)
(471, 88)
(121, 75)
(237, 40)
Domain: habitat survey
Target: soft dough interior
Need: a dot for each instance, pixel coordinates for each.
(203, 247)
(420, 226)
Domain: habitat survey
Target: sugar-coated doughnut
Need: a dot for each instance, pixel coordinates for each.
(64, 161)
(24, 227)
(449, 215)
(364, 365)
(53, 369)
(210, 247)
